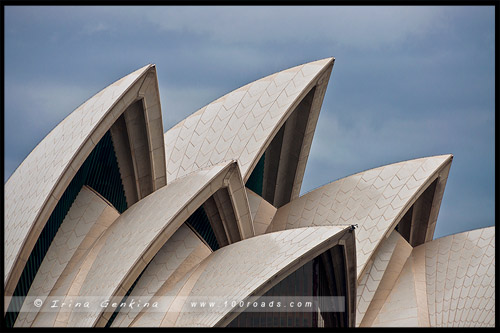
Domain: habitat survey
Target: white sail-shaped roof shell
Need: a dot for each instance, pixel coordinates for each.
(34, 189)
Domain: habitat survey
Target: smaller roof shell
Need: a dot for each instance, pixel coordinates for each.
(141, 231)
(460, 278)
(34, 189)
(230, 273)
(375, 200)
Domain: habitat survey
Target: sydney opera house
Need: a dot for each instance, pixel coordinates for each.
(108, 210)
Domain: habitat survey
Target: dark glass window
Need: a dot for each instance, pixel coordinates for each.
(200, 223)
(99, 171)
(256, 179)
(311, 279)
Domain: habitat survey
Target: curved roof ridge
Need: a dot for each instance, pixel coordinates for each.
(376, 167)
(375, 199)
(140, 232)
(36, 185)
(223, 274)
(462, 232)
(241, 123)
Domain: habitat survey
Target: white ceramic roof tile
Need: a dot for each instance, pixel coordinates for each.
(460, 278)
(239, 123)
(89, 212)
(370, 281)
(230, 272)
(50, 159)
(183, 251)
(400, 307)
(135, 231)
(367, 199)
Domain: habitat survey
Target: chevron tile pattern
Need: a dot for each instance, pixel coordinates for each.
(460, 275)
(372, 199)
(368, 285)
(140, 229)
(400, 307)
(447, 282)
(230, 272)
(238, 125)
(33, 181)
(150, 253)
(183, 251)
(88, 217)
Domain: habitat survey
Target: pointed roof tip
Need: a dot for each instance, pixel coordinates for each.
(148, 66)
(151, 66)
(326, 60)
(329, 59)
(141, 70)
(448, 156)
(445, 158)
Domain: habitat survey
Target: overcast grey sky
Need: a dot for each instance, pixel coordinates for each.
(408, 82)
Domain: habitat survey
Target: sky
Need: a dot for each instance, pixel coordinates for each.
(408, 82)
